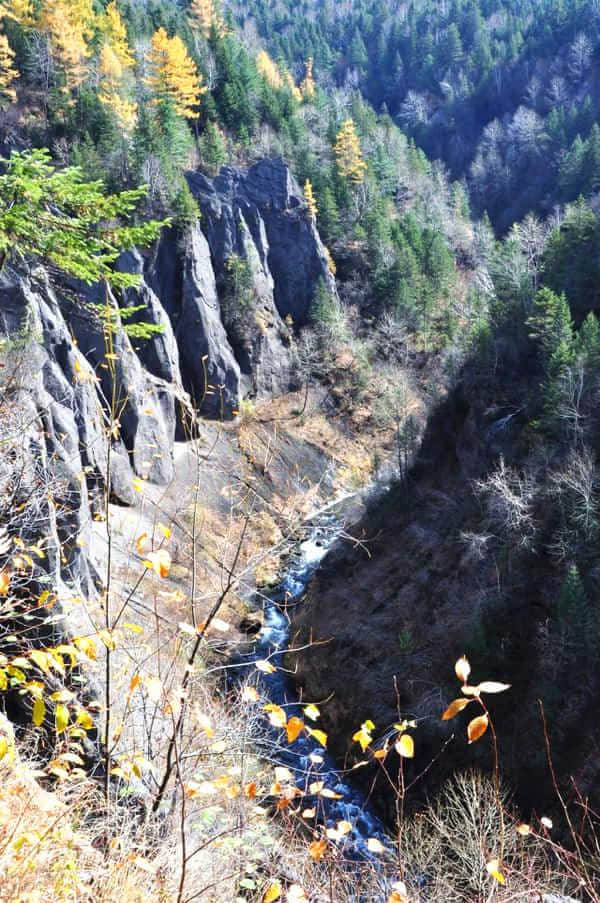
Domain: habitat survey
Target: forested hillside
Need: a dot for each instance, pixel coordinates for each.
(492, 88)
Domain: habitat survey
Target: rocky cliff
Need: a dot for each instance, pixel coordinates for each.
(59, 380)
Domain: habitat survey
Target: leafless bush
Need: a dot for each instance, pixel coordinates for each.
(509, 496)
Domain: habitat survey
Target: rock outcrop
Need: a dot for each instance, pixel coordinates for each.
(68, 396)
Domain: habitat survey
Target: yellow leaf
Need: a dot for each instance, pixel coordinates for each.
(311, 712)
(493, 869)
(138, 484)
(250, 694)
(272, 893)
(108, 640)
(277, 716)
(41, 660)
(166, 531)
(4, 747)
(159, 562)
(84, 719)
(294, 728)
(319, 736)
(462, 669)
(309, 813)
(4, 582)
(317, 849)
(375, 846)
(492, 686)
(405, 746)
(265, 667)
(523, 830)
(455, 707)
(39, 711)
(364, 735)
(477, 728)
(61, 718)
(142, 544)
(86, 645)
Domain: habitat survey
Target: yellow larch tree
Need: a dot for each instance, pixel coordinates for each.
(269, 70)
(311, 202)
(8, 73)
(114, 66)
(112, 90)
(115, 34)
(348, 154)
(292, 86)
(69, 25)
(205, 16)
(308, 88)
(173, 74)
(20, 11)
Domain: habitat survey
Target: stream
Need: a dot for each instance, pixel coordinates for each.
(306, 758)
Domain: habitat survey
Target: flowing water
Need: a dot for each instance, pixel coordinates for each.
(306, 758)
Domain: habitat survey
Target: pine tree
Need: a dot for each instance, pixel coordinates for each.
(8, 73)
(213, 147)
(174, 77)
(311, 202)
(348, 155)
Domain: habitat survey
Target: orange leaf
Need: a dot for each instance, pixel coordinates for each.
(250, 790)
(159, 562)
(455, 707)
(4, 582)
(477, 727)
(317, 849)
(294, 728)
(142, 544)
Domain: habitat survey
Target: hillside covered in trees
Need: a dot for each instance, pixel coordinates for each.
(283, 284)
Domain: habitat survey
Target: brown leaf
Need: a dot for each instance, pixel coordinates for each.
(477, 727)
(317, 849)
(456, 706)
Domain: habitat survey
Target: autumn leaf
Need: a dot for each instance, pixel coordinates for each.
(375, 846)
(405, 746)
(265, 667)
(39, 711)
(364, 736)
(108, 639)
(61, 718)
(311, 712)
(142, 544)
(317, 849)
(462, 669)
(272, 893)
(4, 582)
(153, 688)
(319, 736)
(166, 531)
(294, 728)
(159, 562)
(250, 694)
(477, 727)
(493, 869)
(492, 686)
(455, 707)
(276, 714)
(523, 830)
